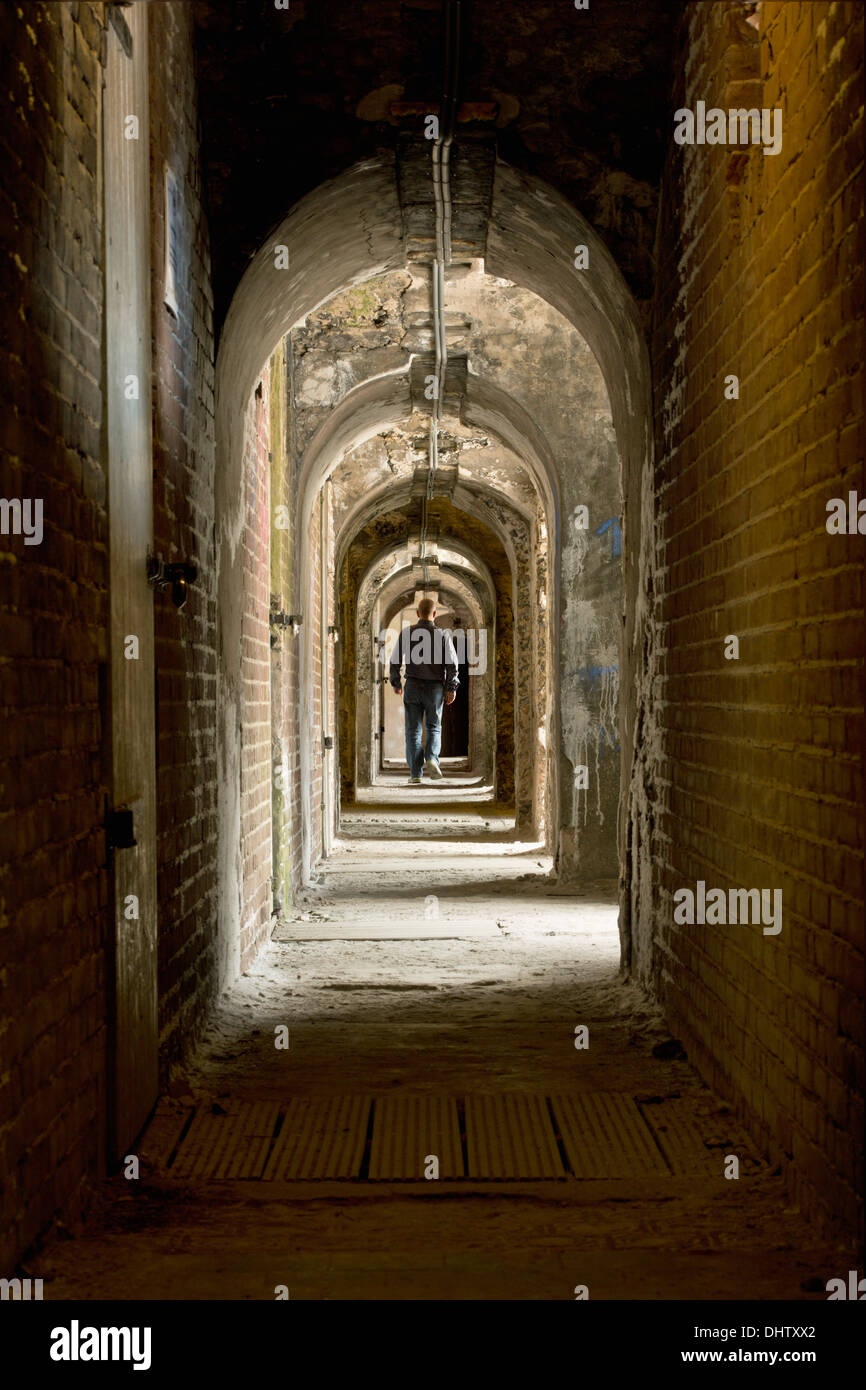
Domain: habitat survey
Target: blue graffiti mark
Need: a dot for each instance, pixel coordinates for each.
(592, 673)
(613, 526)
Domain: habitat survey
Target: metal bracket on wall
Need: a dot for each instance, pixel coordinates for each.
(284, 620)
(179, 575)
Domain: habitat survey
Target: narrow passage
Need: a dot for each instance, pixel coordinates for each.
(431, 983)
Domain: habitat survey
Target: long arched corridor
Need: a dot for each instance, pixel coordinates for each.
(447, 312)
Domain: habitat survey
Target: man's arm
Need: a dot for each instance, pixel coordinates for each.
(452, 668)
(396, 662)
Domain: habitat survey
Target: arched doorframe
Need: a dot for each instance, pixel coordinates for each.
(378, 403)
(532, 233)
(386, 570)
(471, 593)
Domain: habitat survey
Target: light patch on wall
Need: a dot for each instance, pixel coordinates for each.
(173, 212)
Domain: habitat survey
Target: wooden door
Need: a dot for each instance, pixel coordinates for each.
(133, 1059)
(455, 720)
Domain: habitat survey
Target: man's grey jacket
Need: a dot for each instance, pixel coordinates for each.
(428, 654)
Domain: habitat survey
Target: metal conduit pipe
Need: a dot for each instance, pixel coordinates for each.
(441, 169)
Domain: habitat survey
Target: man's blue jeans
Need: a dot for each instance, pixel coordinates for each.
(422, 700)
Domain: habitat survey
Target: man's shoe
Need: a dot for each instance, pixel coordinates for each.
(432, 768)
(414, 781)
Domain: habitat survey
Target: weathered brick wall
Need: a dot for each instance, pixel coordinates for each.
(285, 830)
(386, 529)
(290, 696)
(333, 766)
(53, 616)
(54, 894)
(322, 669)
(256, 783)
(760, 275)
(312, 624)
(184, 460)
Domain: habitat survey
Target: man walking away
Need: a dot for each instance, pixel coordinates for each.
(432, 678)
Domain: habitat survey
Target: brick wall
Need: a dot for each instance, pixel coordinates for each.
(53, 616)
(184, 460)
(290, 695)
(761, 275)
(322, 669)
(312, 622)
(256, 783)
(333, 763)
(54, 604)
(288, 593)
(286, 830)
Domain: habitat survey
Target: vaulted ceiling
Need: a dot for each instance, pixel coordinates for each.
(291, 97)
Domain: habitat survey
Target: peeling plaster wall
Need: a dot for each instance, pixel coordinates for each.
(524, 345)
(351, 340)
(531, 240)
(344, 234)
(519, 341)
(285, 770)
(357, 335)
